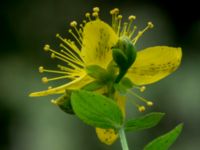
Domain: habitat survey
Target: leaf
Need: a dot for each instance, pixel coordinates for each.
(165, 141)
(96, 110)
(144, 122)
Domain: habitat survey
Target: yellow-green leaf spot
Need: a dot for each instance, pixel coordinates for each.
(165, 141)
(96, 110)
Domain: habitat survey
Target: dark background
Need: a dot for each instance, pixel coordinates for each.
(35, 124)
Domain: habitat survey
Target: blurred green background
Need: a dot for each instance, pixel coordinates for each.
(35, 124)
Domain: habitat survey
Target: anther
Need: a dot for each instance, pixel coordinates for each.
(96, 9)
(73, 24)
(87, 14)
(44, 79)
(149, 103)
(116, 10)
(119, 17)
(46, 47)
(57, 35)
(95, 14)
(41, 69)
(142, 89)
(53, 55)
(150, 24)
(141, 108)
(131, 18)
(50, 87)
(54, 102)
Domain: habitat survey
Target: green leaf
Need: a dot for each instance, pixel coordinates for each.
(96, 110)
(144, 122)
(165, 141)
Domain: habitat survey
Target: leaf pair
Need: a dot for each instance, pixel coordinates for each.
(99, 111)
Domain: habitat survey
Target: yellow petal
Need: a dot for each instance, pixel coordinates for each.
(153, 64)
(106, 136)
(75, 84)
(109, 136)
(98, 38)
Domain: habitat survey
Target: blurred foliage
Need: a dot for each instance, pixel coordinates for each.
(35, 124)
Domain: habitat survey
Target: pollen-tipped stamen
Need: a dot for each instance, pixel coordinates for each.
(96, 12)
(119, 17)
(140, 108)
(131, 19)
(42, 70)
(148, 103)
(46, 80)
(141, 88)
(75, 37)
(124, 29)
(69, 43)
(74, 25)
(140, 33)
(114, 13)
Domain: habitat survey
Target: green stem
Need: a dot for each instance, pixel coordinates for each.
(123, 139)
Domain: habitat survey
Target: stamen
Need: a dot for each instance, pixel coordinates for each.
(41, 70)
(46, 47)
(132, 32)
(71, 71)
(63, 57)
(141, 88)
(54, 102)
(119, 17)
(76, 38)
(131, 19)
(46, 80)
(149, 103)
(73, 55)
(141, 108)
(95, 14)
(65, 60)
(123, 33)
(49, 87)
(96, 9)
(87, 15)
(73, 24)
(114, 13)
(68, 43)
(140, 33)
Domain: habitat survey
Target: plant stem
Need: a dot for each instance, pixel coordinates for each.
(123, 139)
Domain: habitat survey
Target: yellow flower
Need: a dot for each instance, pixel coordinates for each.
(93, 44)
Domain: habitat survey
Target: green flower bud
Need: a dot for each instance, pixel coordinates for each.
(124, 55)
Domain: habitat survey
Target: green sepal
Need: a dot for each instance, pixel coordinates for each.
(93, 86)
(64, 102)
(165, 141)
(99, 73)
(123, 86)
(96, 110)
(145, 122)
